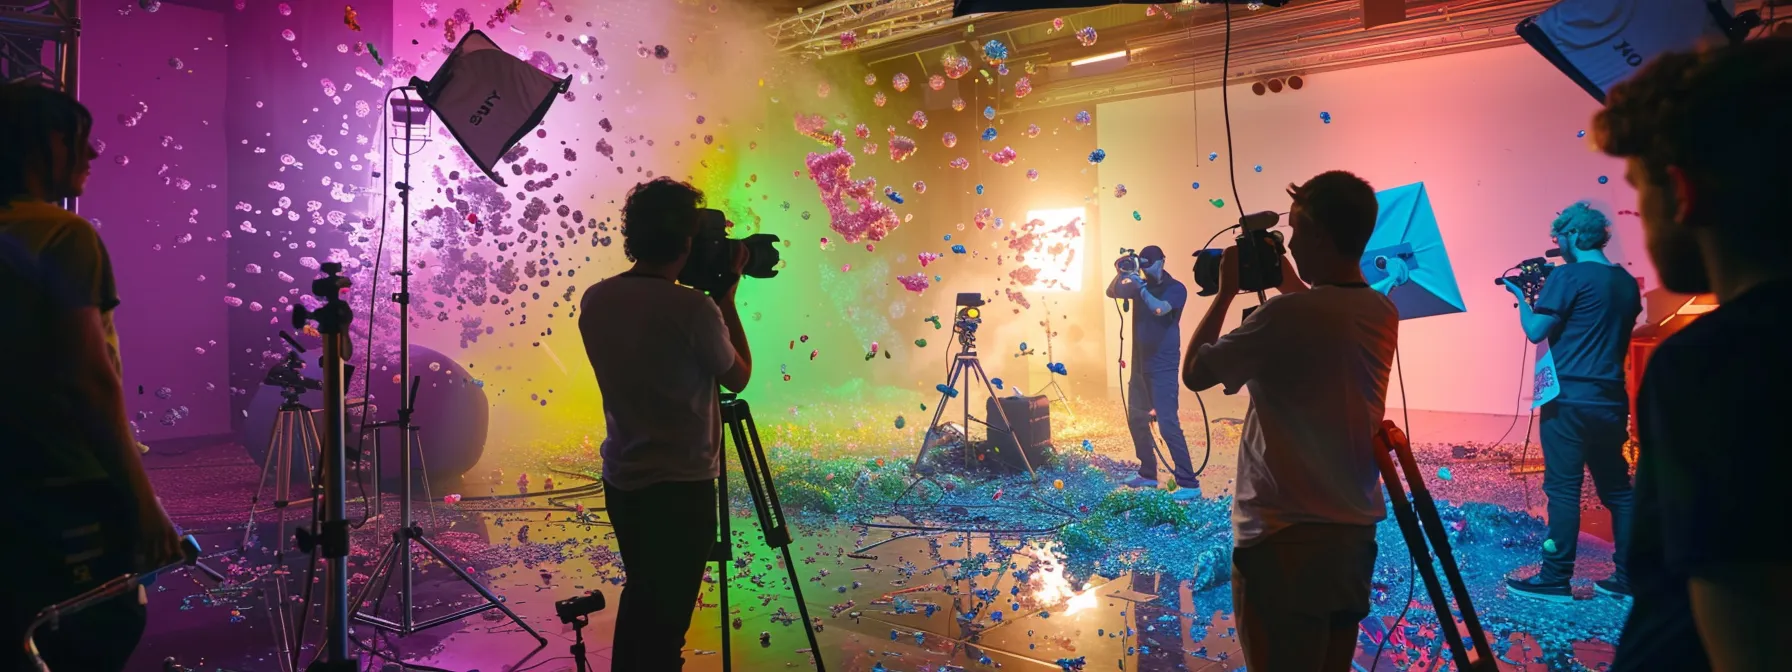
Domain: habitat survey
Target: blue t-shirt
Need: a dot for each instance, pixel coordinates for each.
(1596, 307)
(1157, 339)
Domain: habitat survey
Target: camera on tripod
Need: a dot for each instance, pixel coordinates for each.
(1530, 274)
(712, 254)
(286, 376)
(574, 609)
(1260, 253)
(969, 315)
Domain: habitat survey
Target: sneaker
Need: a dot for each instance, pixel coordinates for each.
(1617, 588)
(1186, 494)
(1540, 590)
(1140, 482)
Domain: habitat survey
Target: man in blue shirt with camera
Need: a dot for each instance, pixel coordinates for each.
(1154, 364)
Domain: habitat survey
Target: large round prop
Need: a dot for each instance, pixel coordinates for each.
(451, 412)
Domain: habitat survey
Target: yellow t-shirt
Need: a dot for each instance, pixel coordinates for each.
(45, 426)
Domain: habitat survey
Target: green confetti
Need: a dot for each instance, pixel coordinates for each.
(1218, 202)
(920, 342)
(375, 52)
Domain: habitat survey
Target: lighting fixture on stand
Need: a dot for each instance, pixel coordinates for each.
(487, 99)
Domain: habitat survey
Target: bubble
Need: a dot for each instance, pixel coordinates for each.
(435, 366)
(176, 63)
(288, 35)
(122, 159)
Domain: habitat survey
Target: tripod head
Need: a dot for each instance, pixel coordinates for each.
(332, 317)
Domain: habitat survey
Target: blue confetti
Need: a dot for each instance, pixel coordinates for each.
(1213, 156)
(1098, 156)
(1136, 217)
(947, 390)
(989, 134)
(996, 382)
(1057, 368)
(1082, 117)
(979, 190)
(1603, 179)
(1581, 134)
(958, 249)
(995, 51)
(938, 279)
(1088, 445)
(1325, 117)
(1194, 185)
(948, 236)
(894, 197)
(1444, 473)
(989, 113)
(1259, 168)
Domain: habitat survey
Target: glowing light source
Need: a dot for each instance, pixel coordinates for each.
(1099, 58)
(1054, 245)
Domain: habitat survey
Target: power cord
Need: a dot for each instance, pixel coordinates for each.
(1226, 108)
(1518, 401)
(1126, 406)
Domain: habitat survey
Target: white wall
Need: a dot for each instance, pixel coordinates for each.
(1492, 134)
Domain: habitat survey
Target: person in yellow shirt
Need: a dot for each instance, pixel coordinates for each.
(80, 507)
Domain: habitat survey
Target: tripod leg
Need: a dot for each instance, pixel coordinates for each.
(1008, 426)
(771, 513)
(939, 410)
(417, 443)
(373, 575)
(1440, 543)
(723, 555)
(267, 470)
(480, 587)
(1421, 553)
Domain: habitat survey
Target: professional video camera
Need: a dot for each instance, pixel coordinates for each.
(1259, 257)
(1129, 261)
(712, 252)
(1530, 274)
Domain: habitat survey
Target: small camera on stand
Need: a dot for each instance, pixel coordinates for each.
(576, 612)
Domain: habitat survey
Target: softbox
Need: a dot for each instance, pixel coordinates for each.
(1405, 256)
(1599, 43)
(488, 98)
(963, 7)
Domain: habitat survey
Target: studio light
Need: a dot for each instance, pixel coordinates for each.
(1097, 59)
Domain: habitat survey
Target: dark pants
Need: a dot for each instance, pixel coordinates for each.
(1299, 594)
(1157, 390)
(665, 533)
(1576, 439)
(58, 551)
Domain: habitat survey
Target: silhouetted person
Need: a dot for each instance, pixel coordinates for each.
(79, 508)
(1316, 361)
(659, 350)
(1704, 141)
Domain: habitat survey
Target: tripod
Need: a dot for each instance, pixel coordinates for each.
(1391, 445)
(1058, 397)
(965, 365)
(771, 520)
(397, 557)
(293, 424)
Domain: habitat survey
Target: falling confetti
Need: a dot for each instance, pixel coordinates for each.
(1086, 36)
(350, 19)
(1098, 156)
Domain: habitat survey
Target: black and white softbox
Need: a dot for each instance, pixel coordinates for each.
(1599, 43)
(488, 98)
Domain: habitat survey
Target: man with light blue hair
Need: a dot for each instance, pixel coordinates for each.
(1585, 311)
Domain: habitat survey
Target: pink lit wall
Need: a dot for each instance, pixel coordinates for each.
(157, 193)
(1493, 134)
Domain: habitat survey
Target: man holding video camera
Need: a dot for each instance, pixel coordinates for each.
(1156, 343)
(1308, 497)
(659, 350)
(1586, 310)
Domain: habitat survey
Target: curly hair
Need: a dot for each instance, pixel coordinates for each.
(34, 115)
(1590, 227)
(1342, 203)
(658, 220)
(1718, 115)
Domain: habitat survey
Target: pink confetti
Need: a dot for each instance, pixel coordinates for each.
(1005, 157)
(1032, 130)
(916, 283)
(901, 147)
(920, 187)
(862, 131)
(960, 163)
(918, 119)
(832, 173)
(1022, 87)
(936, 82)
(879, 99)
(899, 82)
(949, 139)
(956, 66)
(927, 258)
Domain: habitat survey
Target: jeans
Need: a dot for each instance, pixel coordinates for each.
(664, 533)
(1299, 594)
(1157, 390)
(1578, 438)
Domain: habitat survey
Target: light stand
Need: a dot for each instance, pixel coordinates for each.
(332, 322)
(1391, 446)
(1051, 358)
(397, 558)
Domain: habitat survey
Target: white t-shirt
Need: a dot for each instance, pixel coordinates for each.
(656, 348)
(1316, 364)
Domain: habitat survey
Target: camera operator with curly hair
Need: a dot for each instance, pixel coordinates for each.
(659, 349)
(1586, 311)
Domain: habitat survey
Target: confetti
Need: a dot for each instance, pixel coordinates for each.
(1098, 156)
(351, 19)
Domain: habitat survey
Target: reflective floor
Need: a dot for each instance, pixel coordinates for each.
(981, 572)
